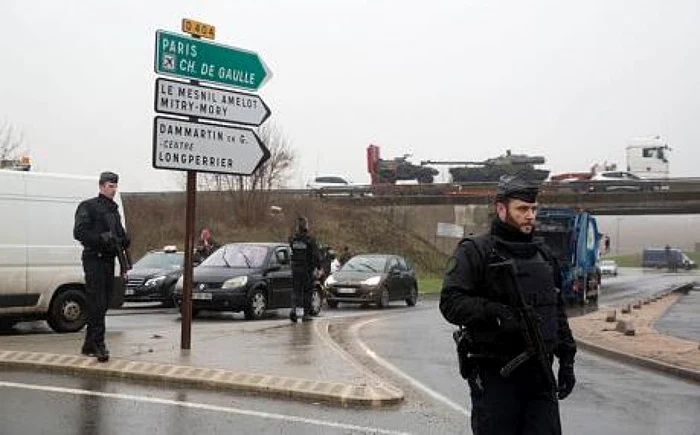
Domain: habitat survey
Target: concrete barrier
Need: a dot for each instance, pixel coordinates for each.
(626, 309)
(625, 326)
(637, 305)
(611, 316)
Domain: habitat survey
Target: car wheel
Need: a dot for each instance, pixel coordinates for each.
(257, 304)
(68, 311)
(383, 301)
(412, 297)
(316, 301)
(332, 304)
(7, 324)
(169, 302)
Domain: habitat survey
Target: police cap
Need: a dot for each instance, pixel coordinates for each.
(516, 187)
(109, 177)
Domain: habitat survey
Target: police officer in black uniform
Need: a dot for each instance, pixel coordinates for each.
(523, 402)
(98, 227)
(305, 262)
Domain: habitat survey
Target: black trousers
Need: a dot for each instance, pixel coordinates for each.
(99, 283)
(301, 291)
(520, 404)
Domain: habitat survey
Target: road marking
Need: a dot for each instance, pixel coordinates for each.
(203, 406)
(387, 365)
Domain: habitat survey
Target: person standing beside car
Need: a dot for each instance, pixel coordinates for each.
(99, 229)
(510, 396)
(305, 263)
(205, 245)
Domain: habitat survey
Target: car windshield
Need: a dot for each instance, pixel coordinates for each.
(245, 256)
(366, 263)
(160, 260)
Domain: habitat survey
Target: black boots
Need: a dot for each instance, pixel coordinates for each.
(102, 353)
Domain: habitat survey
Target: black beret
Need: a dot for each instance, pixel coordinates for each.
(516, 187)
(109, 177)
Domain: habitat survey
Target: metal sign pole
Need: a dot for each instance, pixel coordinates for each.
(186, 332)
(190, 209)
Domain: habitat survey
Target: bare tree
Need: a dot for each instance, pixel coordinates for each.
(251, 192)
(10, 142)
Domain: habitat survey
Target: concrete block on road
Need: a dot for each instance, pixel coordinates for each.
(611, 316)
(625, 326)
(646, 301)
(637, 305)
(626, 309)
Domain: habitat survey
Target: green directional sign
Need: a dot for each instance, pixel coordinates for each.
(182, 56)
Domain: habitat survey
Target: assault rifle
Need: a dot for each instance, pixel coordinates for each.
(123, 254)
(503, 277)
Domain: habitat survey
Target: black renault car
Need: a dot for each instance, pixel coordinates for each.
(248, 277)
(373, 278)
(153, 277)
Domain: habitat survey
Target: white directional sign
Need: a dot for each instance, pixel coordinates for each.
(178, 98)
(193, 146)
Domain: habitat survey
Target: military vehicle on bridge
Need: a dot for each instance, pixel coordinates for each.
(396, 169)
(492, 169)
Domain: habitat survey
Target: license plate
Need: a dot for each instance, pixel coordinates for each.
(346, 290)
(128, 292)
(202, 296)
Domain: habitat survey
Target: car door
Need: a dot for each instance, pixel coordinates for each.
(394, 278)
(279, 276)
(406, 277)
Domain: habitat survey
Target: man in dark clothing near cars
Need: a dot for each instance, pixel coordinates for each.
(305, 262)
(98, 227)
(524, 400)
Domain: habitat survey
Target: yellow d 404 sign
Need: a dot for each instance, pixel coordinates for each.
(196, 28)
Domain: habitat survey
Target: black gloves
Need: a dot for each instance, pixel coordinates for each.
(504, 315)
(566, 380)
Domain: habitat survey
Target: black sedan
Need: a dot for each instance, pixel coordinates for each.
(248, 277)
(153, 277)
(373, 278)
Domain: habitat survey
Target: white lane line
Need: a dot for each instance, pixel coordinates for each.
(203, 406)
(386, 364)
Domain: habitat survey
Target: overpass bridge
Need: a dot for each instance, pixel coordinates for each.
(679, 196)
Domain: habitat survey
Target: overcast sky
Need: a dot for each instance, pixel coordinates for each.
(443, 80)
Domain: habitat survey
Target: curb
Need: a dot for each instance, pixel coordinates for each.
(628, 358)
(276, 386)
(671, 369)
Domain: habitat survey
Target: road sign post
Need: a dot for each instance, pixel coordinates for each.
(204, 102)
(193, 146)
(190, 58)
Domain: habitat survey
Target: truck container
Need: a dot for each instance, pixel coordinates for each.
(574, 240)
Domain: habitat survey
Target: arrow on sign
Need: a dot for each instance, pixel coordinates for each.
(178, 98)
(197, 59)
(195, 146)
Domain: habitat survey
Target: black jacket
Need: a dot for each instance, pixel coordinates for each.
(98, 226)
(465, 296)
(305, 254)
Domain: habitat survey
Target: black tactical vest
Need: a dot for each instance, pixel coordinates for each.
(535, 277)
(301, 251)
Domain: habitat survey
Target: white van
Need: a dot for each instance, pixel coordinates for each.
(41, 273)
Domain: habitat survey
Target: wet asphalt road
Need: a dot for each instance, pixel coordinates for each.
(410, 346)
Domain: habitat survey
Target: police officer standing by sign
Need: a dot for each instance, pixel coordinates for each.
(98, 227)
(305, 262)
(506, 348)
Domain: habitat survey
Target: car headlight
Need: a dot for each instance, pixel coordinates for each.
(236, 282)
(330, 280)
(154, 282)
(179, 285)
(372, 281)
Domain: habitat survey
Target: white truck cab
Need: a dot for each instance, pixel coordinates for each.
(647, 157)
(41, 273)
